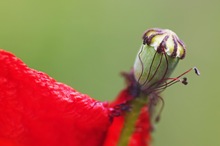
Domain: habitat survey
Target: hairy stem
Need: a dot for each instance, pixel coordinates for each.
(130, 119)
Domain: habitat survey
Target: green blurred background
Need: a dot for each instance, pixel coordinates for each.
(86, 44)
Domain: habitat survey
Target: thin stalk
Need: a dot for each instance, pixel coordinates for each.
(131, 118)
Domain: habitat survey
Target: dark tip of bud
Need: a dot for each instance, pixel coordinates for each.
(164, 40)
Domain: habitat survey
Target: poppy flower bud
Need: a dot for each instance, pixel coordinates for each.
(158, 56)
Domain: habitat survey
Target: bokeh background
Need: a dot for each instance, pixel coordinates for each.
(86, 44)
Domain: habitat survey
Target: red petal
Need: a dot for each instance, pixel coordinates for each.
(35, 110)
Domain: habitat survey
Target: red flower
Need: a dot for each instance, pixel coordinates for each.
(35, 110)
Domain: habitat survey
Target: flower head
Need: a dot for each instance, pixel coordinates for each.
(158, 56)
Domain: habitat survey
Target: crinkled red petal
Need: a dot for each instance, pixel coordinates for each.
(35, 110)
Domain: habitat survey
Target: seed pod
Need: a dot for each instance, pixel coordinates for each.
(158, 56)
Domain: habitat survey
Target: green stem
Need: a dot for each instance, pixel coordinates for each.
(130, 119)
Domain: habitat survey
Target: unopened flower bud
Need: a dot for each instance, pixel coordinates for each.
(158, 56)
